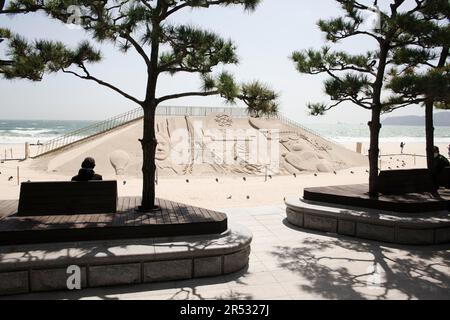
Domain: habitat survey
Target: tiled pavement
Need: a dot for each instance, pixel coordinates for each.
(290, 263)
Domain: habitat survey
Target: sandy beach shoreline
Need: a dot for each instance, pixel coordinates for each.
(230, 191)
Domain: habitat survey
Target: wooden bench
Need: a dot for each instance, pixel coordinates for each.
(67, 198)
(444, 178)
(405, 181)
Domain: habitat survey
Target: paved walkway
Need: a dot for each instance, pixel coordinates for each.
(290, 263)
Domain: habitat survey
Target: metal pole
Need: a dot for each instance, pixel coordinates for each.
(27, 150)
(18, 176)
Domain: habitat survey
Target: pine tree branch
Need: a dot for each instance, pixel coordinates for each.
(138, 48)
(187, 94)
(175, 9)
(87, 76)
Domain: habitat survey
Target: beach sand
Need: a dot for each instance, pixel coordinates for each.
(230, 191)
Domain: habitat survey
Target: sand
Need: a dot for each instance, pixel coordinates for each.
(297, 159)
(231, 190)
(220, 145)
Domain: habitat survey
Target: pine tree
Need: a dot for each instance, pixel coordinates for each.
(361, 79)
(423, 71)
(141, 25)
(259, 98)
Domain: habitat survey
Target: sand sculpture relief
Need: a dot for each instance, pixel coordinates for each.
(217, 144)
(119, 160)
(301, 155)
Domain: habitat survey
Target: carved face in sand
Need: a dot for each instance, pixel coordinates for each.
(163, 147)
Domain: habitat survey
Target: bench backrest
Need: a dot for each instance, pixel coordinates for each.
(405, 181)
(443, 178)
(61, 197)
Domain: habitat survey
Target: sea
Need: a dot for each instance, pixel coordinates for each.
(40, 131)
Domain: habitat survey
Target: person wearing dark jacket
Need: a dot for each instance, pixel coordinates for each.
(87, 173)
(439, 163)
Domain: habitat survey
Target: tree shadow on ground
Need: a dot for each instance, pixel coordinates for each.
(339, 267)
(190, 289)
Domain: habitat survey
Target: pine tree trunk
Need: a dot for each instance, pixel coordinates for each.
(374, 127)
(429, 131)
(375, 123)
(149, 143)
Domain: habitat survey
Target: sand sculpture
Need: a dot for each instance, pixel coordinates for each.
(119, 160)
(213, 145)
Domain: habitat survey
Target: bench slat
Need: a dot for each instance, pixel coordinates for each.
(67, 198)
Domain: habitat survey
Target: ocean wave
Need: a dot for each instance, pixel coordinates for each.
(29, 133)
(343, 140)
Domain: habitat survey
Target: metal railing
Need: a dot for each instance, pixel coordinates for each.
(138, 113)
(126, 118)
(89, 131)
(285, 120)
(200, 111)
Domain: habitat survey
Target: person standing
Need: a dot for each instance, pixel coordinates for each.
(402, 146)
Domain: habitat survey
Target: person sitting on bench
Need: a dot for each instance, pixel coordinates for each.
(87, 173)
(439, 163)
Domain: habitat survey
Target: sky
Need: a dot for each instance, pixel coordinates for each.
(265, 39)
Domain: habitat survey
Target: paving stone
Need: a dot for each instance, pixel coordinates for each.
(295, 217)
(110, 275)
(207, 267)
(236, 261)
(415, 236)
(375, 232)
(443, 235)
(320, 223)
(53, 279)
(13, 282)
(168, 270)
(346, 227)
